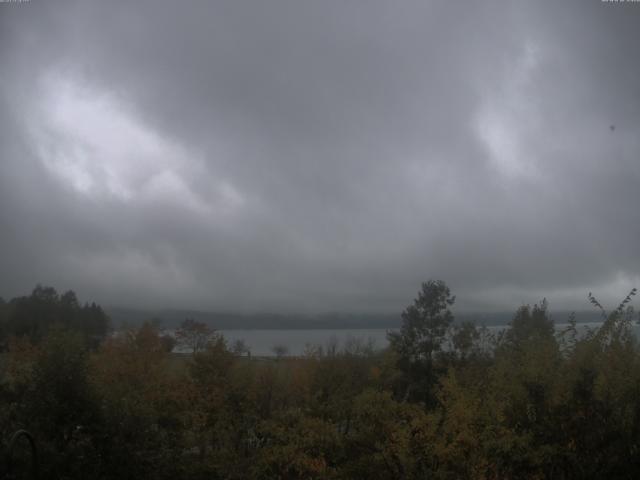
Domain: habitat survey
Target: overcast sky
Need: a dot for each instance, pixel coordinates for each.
(320, 156)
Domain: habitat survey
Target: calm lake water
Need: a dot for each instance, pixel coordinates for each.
(261, 342)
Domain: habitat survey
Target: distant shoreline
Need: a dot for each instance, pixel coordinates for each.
(122, 317)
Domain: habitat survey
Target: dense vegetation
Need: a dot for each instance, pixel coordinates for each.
(444, 401)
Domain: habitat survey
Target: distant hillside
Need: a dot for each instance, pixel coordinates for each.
(234, 321)
(503, 318)
(229, 321)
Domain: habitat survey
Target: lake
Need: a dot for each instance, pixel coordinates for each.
(261, 342)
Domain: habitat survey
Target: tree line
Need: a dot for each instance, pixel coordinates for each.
(443, 401)
(32, 316)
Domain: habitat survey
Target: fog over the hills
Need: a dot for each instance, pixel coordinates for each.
(320, 156)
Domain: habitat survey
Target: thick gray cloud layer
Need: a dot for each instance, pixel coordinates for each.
(320, 156)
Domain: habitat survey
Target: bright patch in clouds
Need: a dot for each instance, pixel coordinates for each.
(94, 145)
(508, 116)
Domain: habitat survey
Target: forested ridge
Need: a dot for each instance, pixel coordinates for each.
(445, 400)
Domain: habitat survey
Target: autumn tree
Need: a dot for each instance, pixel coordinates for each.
(217, 409)
(194, 335)
(141, 404)
(425, 325)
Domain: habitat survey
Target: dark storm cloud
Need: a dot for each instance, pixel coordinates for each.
(319, 155)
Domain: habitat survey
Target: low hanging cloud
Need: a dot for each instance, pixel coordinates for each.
(319, 156)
